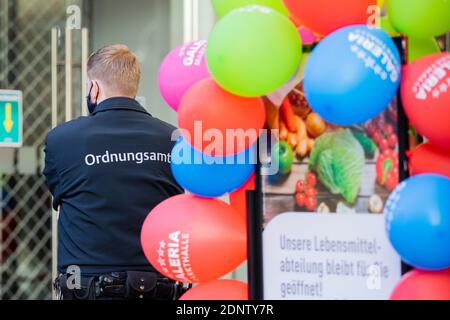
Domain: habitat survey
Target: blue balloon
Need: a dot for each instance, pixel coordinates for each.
(352, 75)
(210, 176)
(417, 216)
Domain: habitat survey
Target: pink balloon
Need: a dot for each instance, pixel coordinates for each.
(307, 36)
(183, 67)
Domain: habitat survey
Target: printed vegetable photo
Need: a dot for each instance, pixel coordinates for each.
(326, 168)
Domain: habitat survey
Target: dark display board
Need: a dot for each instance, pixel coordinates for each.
(317, 232)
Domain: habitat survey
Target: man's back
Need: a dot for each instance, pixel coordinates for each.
(107, 171)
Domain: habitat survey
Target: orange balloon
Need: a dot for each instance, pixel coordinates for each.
(423, 285)
(218, 290)
(326, 16)
(193, 239)
(238, 199)
(214, 108)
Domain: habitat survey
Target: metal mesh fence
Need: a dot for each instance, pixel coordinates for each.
(25, 223)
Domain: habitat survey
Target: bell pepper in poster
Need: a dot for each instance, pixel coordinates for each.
(387, 169)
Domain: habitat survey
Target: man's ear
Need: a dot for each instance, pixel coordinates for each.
(95, 91)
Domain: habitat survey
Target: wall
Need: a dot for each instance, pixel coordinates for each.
(151, 29)
(144, 26)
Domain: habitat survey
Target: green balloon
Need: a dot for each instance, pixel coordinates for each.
(420, 18)
(253, 50)
(386, 25)
(222, 7)
(421, 47)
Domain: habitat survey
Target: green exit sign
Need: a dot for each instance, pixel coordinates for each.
(10, 118)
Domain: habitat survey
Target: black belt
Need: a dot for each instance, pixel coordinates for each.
(130, 285)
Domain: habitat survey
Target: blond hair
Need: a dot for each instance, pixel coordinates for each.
(117, 68)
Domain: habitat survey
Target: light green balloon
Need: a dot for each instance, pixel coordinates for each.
(421, 47)
(222, 7)
(253, 50)
(386, 25)
(420, 18)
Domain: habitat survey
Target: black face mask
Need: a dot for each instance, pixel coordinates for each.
(91, 105)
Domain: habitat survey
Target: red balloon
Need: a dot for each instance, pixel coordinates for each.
(423, 285)
(194, 239)
(238, 199)
(425, 93)
(218, 290)
(218, 111)
(326, 16)
(428, 158)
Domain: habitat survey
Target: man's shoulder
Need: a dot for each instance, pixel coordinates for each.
(68, 129)
(164, 127)
(73, 129)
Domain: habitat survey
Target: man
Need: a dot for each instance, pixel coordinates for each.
(106, 172)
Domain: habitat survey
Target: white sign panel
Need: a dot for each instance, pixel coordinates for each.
(328, 256)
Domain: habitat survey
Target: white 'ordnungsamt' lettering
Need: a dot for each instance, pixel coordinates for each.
(137, 157)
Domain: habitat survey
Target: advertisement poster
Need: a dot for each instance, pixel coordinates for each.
(324, 235)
